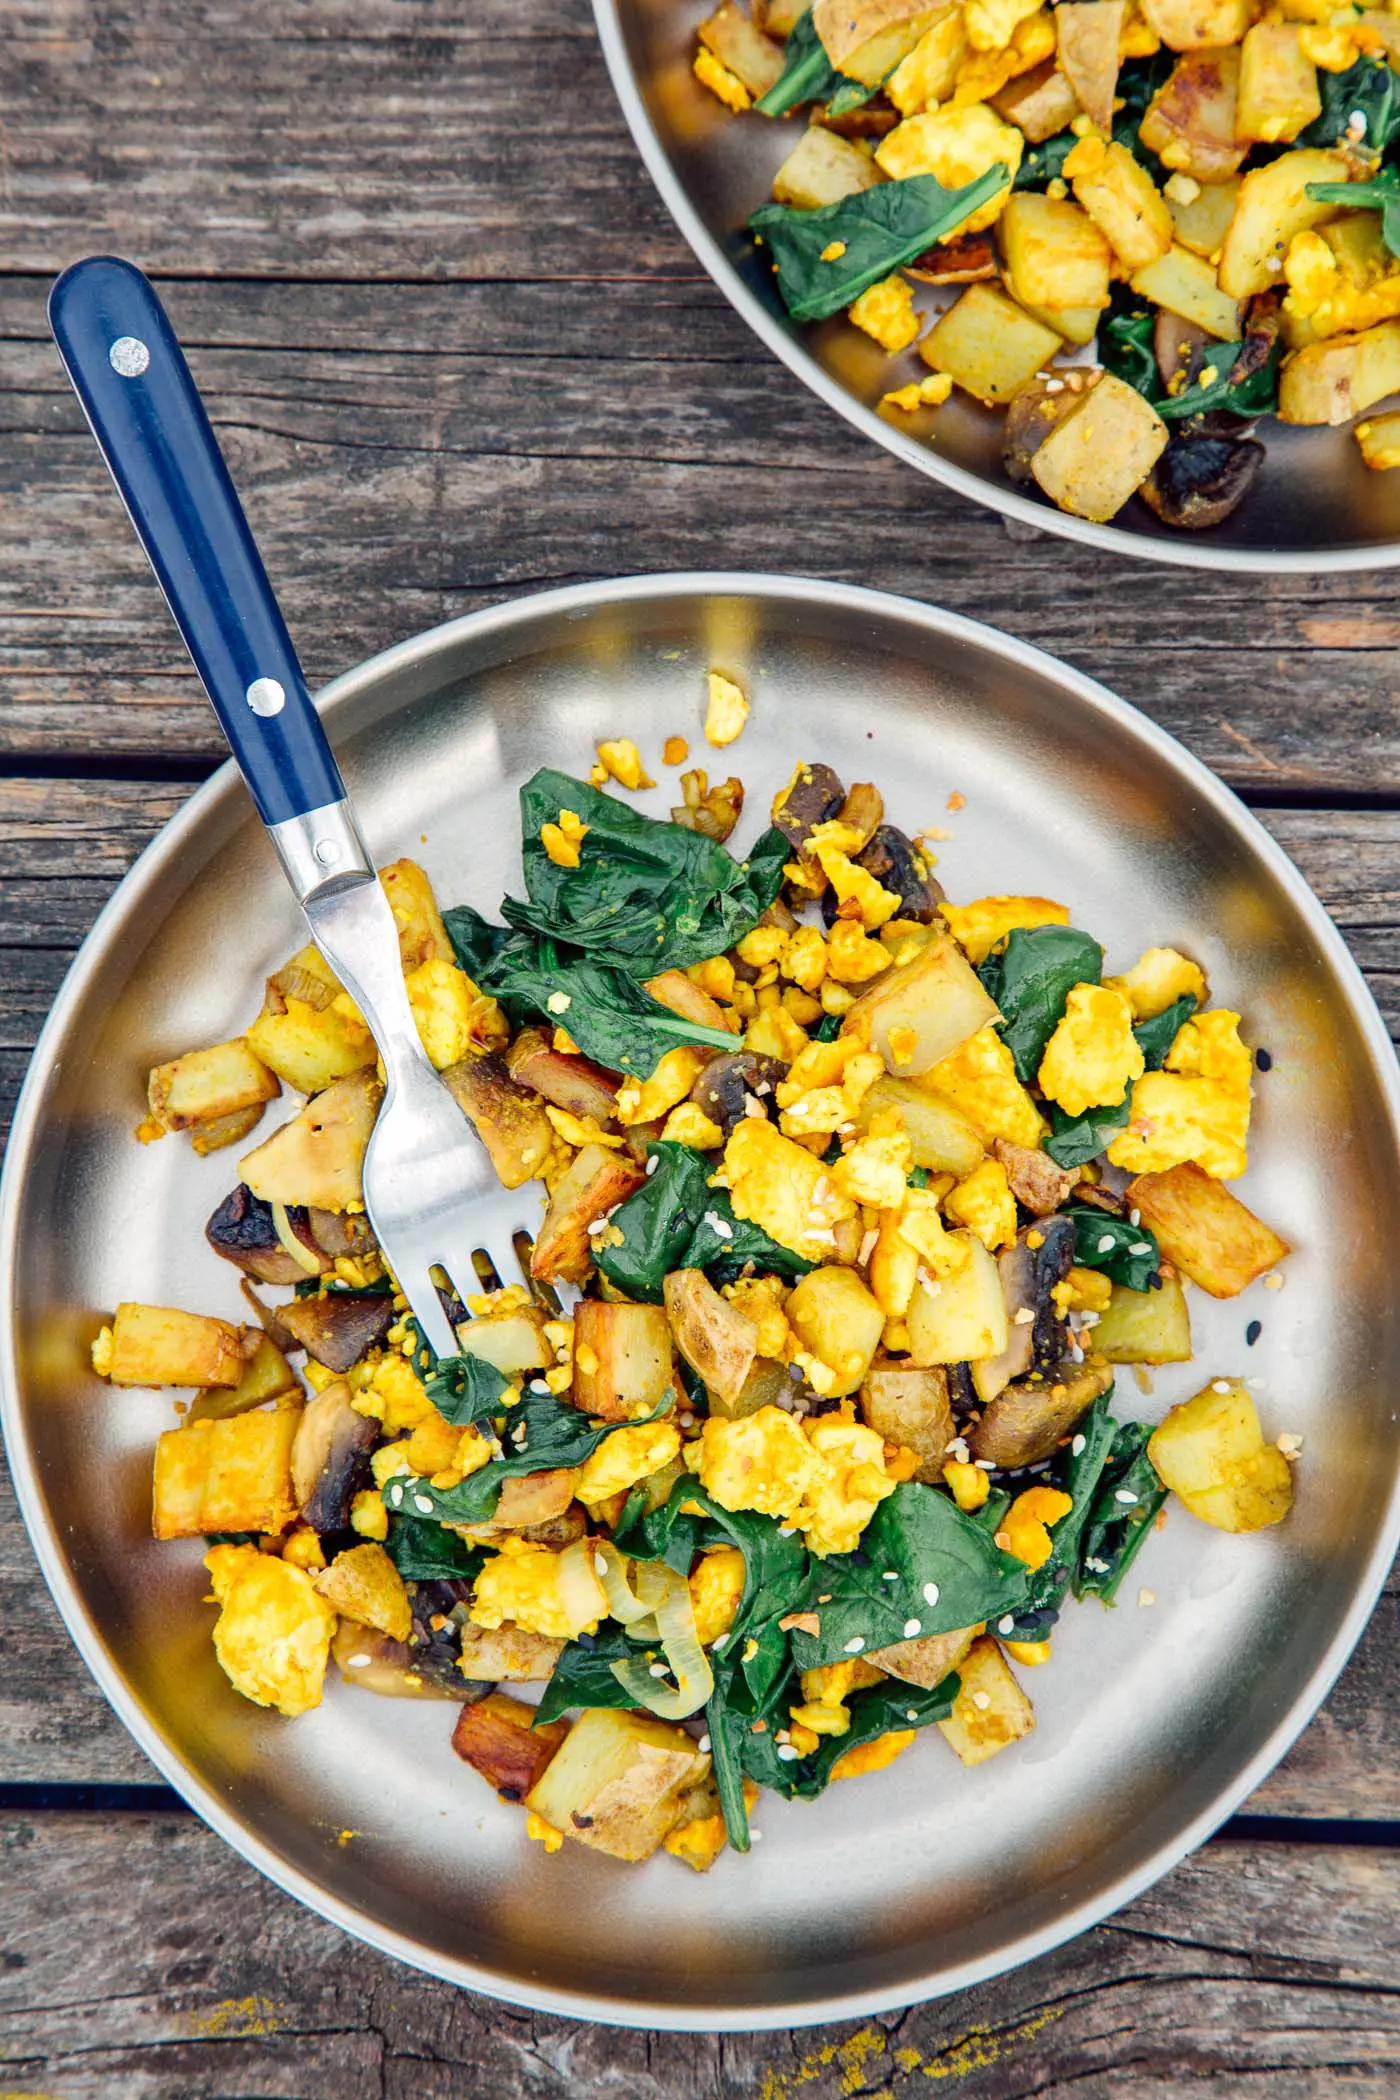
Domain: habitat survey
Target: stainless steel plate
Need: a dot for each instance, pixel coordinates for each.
(1314, 507)
(1153, 1724)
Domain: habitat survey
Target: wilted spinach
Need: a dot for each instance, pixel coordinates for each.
(465, 1389)
(875, 231)
(808, 74)
(583, 1675)
(1256, 394)
(1125, 344)
(425, 1551)
(1117, 1528)
(1381, 193)
(1030, 979)
(1076, 1472)
(670, 1223)
(1041, 164)
(1369, 87)
(536, 1435)
(874, 1712)
(1125, 1252)
(1076, 1139)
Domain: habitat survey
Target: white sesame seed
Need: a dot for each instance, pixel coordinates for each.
(653, 1163)
(1100, 1567)
(787, 1753)
(718, 1225)
(1025, 1317)
(1090, 1319)
(1135, 1217)
(890, 1575)
(1078, 1446)
(704, 1743)
(721, 1640)
(1220, 1385)
(1124, 1495)
(1007, 1624)
(754, 1836)
(1147, 1598)
(1054, 386)
(1141, 1247)
(930, 1593)
(981, 1700)
(558, 1002)
(958, 1450)
(911, 1713)
(357, 1662)
(658, 1670)
(396, 1493)
(423, 1504)
(912, 1627)
(987, 1465)
(1273, 1282)
(753, 1106)
(855, 1644)
(537, 1385)
(1106, 1244)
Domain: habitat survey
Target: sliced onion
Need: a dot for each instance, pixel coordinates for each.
(613, 1569)
(685, 1658)
(580, 1592)
(301, 1254)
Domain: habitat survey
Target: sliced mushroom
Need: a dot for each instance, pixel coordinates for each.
(891, 857)
(1038, 1185)
(330, 1457)
(1263, 322)
(1041, 1258)
(341, 1233)
(1025, 1423)
(243, 1231)
(964, 261)
(337, 1327)
(377, 1663)
(1179, 347)
(1200, 479)
(733, 1082)
(813, 796)
(1033, 412)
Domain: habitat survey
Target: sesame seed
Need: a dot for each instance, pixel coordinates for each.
(653, 1163)
(423, 1504)
(704, 1743)
(1263, 1060)
(855, 1644)
(1146, 1598)
(958, 1450)
(721, 1640)
(787, 1753)
(1105, 1245)
(396, 1493)
(786, 1531)
(558, 1002)
(1025, 1317)
(1090, 1319)
(911, 1713)
(357, 1662)
(1077, 1446)
(1135, 1217)
(1141, 1247)
(981, 1700)
(912, 1627)
(537, 1385)
(867, 1248)
(1252, 1333)
(754, 1836)
(986, 1465)
(657, 1670)
(1099, 1567)
(1007, 1624)
(930, 1593)
(1220, 1385)
(1125, 1495)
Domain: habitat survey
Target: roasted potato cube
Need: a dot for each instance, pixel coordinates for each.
(160, 1345)
(836, 1320)
(1145, 1327)
(1122, 200)
(927, 1661)
(987, 345)
(232, 1475)
(745, 51)
(942, 1140)
(1088, 34)
(1201, 222)
(507, 1654)
(508, 1118)
(1332, 381)
(778, 17)
(204, 1086)
(1204, 1230)
(318, 1157)
(1039, 103)
(535, 1503)
(564, 1079)
(1272, 206)
(1025, 1423)
(363, 1584)
(181, 1471)
(1211, 1452)
(865, 39)
(1055, 255)
(311, 1047)
(1379, 440)
(622, 1358)
(1185, 284)
(1190, 122)
(513, 1341)
(266, 1376)
(596, 1180)
(991, 1711)
(717, 1340)
(496, 1736)
(1197, 25)
(422, 935)
(617, 1782)
(909, 1405)
(674, 990)
(822, 168)
(920, 1012)
(273, 1633)
(1278, 95)
(1103, 450)
(963, 1318)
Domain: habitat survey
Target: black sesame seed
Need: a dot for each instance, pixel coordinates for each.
(1263, 1060)
(1252, 1333)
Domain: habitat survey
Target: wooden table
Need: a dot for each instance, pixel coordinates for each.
(455, 350)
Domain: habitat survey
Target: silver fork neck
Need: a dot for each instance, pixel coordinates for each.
(321, 851)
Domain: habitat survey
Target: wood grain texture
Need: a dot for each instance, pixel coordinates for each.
(202, 1982)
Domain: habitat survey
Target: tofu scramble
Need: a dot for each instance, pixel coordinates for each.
(798, 1430)
(1148, 223)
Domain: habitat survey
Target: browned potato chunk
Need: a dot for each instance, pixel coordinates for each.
(596, 1180)
(204, 1086)
(943, 1141)
(1204, 1230)
(1039, 103)
(867, 38)
(1092, 462)
(1088, 34)
(907, 1404)
(1196, 25)
(422, 935)
(1278, 95)
(674, 990)
(927, 1661)
(618, 1782)
(496, 1738)
(509, 1119)
(534, 1503)
(1211, 1452)
(233, 1475)
(1272, 206)
(745, 51)
(964, 1319)
(567, 1081)
(822, 168)
(987, 345)
(836, 1319)
(923, 1010)
(1025, 1423)
(1034, 412)
(160, 1345)
(514, 1341)
(1190, 122)
(717, 1340)
(507, 1654)
(1184, 284)
(622, 1358)
(363, 1584)
(1145, 1327)
(1055, 254)
(1332, 381)
(991, 1711)
(318, 1157)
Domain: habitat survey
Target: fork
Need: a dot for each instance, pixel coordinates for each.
(430, 1190)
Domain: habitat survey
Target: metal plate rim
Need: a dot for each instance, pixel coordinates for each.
(148, 870)
(1188, 551)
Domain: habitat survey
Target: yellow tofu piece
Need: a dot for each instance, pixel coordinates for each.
(273, 1633)
(985, 1204)
(1093, 1056)
(453, 1018)
(760, 1461)
(310, 1046)
(977, 927)
(716, 1591)
(1026, 1524)
(1158, 978)
(726, 712)
(1178, 1118)
(874, 1755)
(929, 73)
(847, 1490)
(522, 1584)
(630, 1454)
(888, 313)
(979, 1080)
(956, 146)
(723, 84)
(782, 1187)
(161, 1345)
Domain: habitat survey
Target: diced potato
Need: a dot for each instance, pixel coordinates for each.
(507, 1654)
(1330, 382)
(1278, 94)
(1024, 1424)
(1185, 284)
(745, 51)
(1211, 1452)
(1379, 439)
(1122, 200)
(513, 1341)
(1145, 1327)
(617, 1782)
(1197, 25)
(533, 1502)
(160, 1345)
(942, 1140)
(837, 1320)
(778, 17)
(363, 1584)
(232, 1475)
(991, 1711)
(596, 1179)
(1273, 205)
(927, 1660)
(266, 1376)
(622, 1357)
(717, 1340)
(1055, 254)
(987, 345)
(866, 38)
(567, 1081)
(1088, 36)
(1204, 1230)
(204, 1086)
(909, 1405)
(422, 935)
(1190, 122)
(273, 1633)
(318, 1157)
(922, 1011)
(1202, 220)
(311, 1047)
(674, 990)
(1040, 103)
(508, 1118)
(822, 168)
(961, 1318)
(1104, 449)
(497, 1738)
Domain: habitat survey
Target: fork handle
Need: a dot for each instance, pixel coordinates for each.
(131, 377)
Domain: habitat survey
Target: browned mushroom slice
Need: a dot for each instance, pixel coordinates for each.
(1025, 1423)
(1200, 479)
(965, 261)
(341, 1233)
(891, 858)
(243, 1231)
(813, 796)
(734, 1084)
(1034, 1180)
(330, 1457)
(1032, 413)
(337, 1327)
(394, 1669)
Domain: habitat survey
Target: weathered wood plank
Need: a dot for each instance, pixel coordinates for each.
(195, 1980)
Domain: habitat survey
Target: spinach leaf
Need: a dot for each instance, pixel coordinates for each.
(1116, 1529)
(670, 1224)
(873, 1712)
(1254, 395)
(1030, 979)
(948, 1572)
(425, 1551)
(1125, 344)
(1155, 1037)
(475, 941)
(877, 230)
(646, 896)
(1127, 1253)
(465, 1389)
(1368, 87)
(1076, 1471)
(583, 1675)
(1381, 194)
(852, 94)
(1076, 1139)
(726, 1729)
(808, 74)
(1041, 164)
(232, 1538)
(536, 1435)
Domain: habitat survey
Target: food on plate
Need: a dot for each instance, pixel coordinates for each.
(798, 1430)
(1136, 226)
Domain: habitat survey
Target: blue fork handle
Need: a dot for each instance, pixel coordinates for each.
(130, 375)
